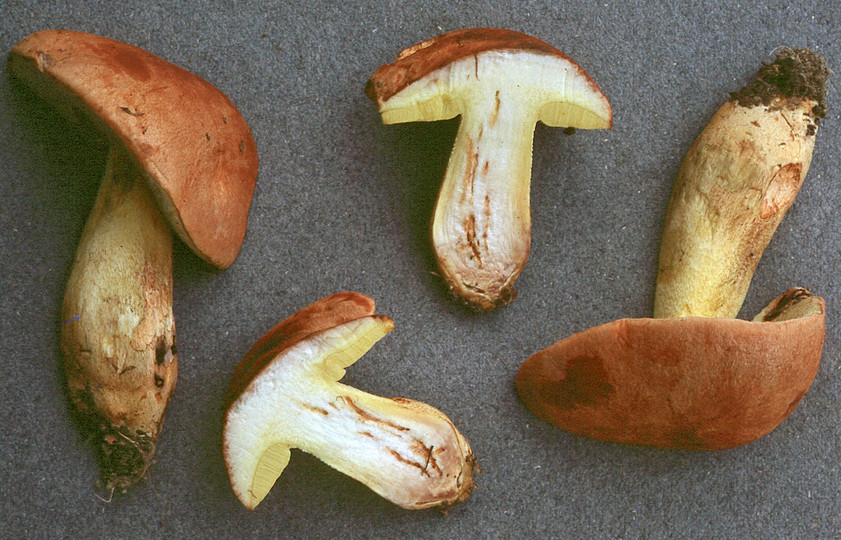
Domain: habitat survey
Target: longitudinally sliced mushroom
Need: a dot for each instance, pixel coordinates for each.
(694, 377)
(501, 83)
(286, 394)
(180, 153)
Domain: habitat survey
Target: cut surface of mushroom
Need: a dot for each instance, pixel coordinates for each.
(180, 153)
(406, 451)
(501, 83)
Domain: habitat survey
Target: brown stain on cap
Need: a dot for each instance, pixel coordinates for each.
(585, 382)
(129, 61)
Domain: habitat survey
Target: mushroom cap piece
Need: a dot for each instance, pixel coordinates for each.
(568, 96)
(681, 383)
(329, 312)
(192, 143)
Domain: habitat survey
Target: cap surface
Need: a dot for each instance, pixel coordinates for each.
(686, 383)
(190, 139)
(416, 61)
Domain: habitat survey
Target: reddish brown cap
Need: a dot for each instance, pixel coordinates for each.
(328, 312)
(185, 134)
(415, 62)
(692, 383)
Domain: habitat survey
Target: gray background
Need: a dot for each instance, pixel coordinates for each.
(343, 203)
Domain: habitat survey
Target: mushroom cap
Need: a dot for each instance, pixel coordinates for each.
(195, 147)
(683, 383)
(326, 313)
(568, 95)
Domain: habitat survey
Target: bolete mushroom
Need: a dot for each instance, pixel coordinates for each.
(685, 383)
(286, 394)
(699, 379)
(501, 83)
(180, 152)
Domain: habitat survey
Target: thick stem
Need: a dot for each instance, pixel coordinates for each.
(735, 185)
(481, 230)
(404, 450)
(118, 334)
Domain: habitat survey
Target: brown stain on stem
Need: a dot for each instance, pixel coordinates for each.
(495, 113)
(315, 409)
(472, 241)
(365, 416)
(467, 197)
(399, 457)
(781, 190)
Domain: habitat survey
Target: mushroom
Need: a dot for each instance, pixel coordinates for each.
(694, 377)
(501, 83)
(684, 383)
(285, 394)
(180, 152)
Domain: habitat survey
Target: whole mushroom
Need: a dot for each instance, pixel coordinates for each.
(180, 153)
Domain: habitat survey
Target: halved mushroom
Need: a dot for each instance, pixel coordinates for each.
(180, 152)
(501, 83)
(690, 381)
(286, 394)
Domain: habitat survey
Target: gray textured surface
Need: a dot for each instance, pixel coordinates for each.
(343, 203)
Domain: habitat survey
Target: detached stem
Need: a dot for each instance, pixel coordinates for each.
(481, 229)
(118, 336)
(736, 183)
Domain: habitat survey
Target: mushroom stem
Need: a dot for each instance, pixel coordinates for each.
(736, 183)
(481, 228)
(366, 436)
(118, 334)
